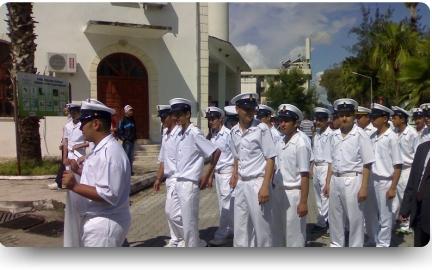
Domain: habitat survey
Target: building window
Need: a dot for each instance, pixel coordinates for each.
(6, 97)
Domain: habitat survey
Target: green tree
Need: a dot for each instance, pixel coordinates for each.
(23, 47)
(288, 87)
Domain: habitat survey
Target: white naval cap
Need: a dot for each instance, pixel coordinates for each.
(290, 111)
(245, 100)
(230, 110)
(73, 105)
(345, 104)
(321, 112)
(417, 112)
(163, 110)
(180, 104)
(92, 108)
(214, 112)
(425, 108)
(363, 110)
(380, 110)
(264, 110)
(127, 108)
(399, 111)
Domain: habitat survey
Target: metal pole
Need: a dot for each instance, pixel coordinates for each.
(16, 119)
(371, 95)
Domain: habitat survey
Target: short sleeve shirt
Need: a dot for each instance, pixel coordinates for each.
(387, 153)
(107, 169)
(167, 154)
(291, 160)
(370, 129)
(74, 136)
(251, 148)
(349, 153)
(423, 137)
(221, 140)
(407, 140)
(276, 135)
(319, 144)
(191, 150)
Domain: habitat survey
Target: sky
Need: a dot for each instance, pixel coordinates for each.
(267, 33)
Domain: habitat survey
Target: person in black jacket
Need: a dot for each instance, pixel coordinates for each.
(127, 133)
(416, 200)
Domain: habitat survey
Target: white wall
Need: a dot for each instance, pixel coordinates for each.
(218, 15)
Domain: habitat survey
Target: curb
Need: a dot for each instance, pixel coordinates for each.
(27, 177)
(28, 206)
(142, 183)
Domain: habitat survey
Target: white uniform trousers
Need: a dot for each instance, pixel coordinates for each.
(173, 211)
(319, 181)
(403, 181)
(251, 220)
(380, 210)
(72, 219)
(188, 193)
(105, 231)
(226, 205)
(289, 230)
(344, 205)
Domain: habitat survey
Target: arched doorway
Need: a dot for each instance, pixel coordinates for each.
(121, 80)
(6, 107)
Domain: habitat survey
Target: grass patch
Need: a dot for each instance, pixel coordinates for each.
(46, 167)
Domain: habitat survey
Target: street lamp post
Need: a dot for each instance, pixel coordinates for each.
(371, 89)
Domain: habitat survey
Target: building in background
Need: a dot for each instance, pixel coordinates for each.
(141, 54)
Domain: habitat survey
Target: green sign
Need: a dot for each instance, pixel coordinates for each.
(40, 95)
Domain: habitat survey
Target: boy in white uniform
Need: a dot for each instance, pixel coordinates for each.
(104, 188)
(363, 120)
(350, 155)
(384, 178)
(167, 167)
(291, 181)
(425, 133)
(264, 115)
(320, 166)
(231, 116)
(220, 136)
(192, 149)
(406, 138)
(253, 150)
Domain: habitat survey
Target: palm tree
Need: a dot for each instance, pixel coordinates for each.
(23, 47)
(413, 15)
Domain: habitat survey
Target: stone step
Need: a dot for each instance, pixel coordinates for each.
(147, 147)
(143, 141)
(146, 159)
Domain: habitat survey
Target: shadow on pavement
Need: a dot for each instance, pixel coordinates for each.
(158, 241)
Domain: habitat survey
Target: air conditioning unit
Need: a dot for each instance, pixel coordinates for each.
(62, 62)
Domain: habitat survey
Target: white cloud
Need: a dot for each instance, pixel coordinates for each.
(252, 55)
(321, 91)
(321, 37)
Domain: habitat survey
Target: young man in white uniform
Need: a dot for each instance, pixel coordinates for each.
(220, 136)
(264, 115)
(291, 181)
(320, 166)
(253, 150)
(363, 120)
(231, 116)
(350, 155)
(192, 149)
(384, 178)
(167, 167)
(105, 181)
(425, 133)
(406, 138)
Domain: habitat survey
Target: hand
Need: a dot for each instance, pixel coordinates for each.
(263, 195)
(326, 190)
(302, 209)
(74, 165)
(391, 193)
(233, 181)
(66, 162)
(80, 160)
(68, 180)
(156, 185)
(362, 194)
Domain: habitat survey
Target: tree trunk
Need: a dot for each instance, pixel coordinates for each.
(23, 47)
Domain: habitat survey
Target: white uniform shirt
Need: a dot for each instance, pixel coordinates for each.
(251, 148)
(387, 153)
(292, 159)
(108, 169)
(370, 129)
(221, 140)
(423, 137)
(308, 141)
(319, 143)
(276, 135)
(407, 140)
(351, 153)
(167, 154)
(192, 149)
(74, 136)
